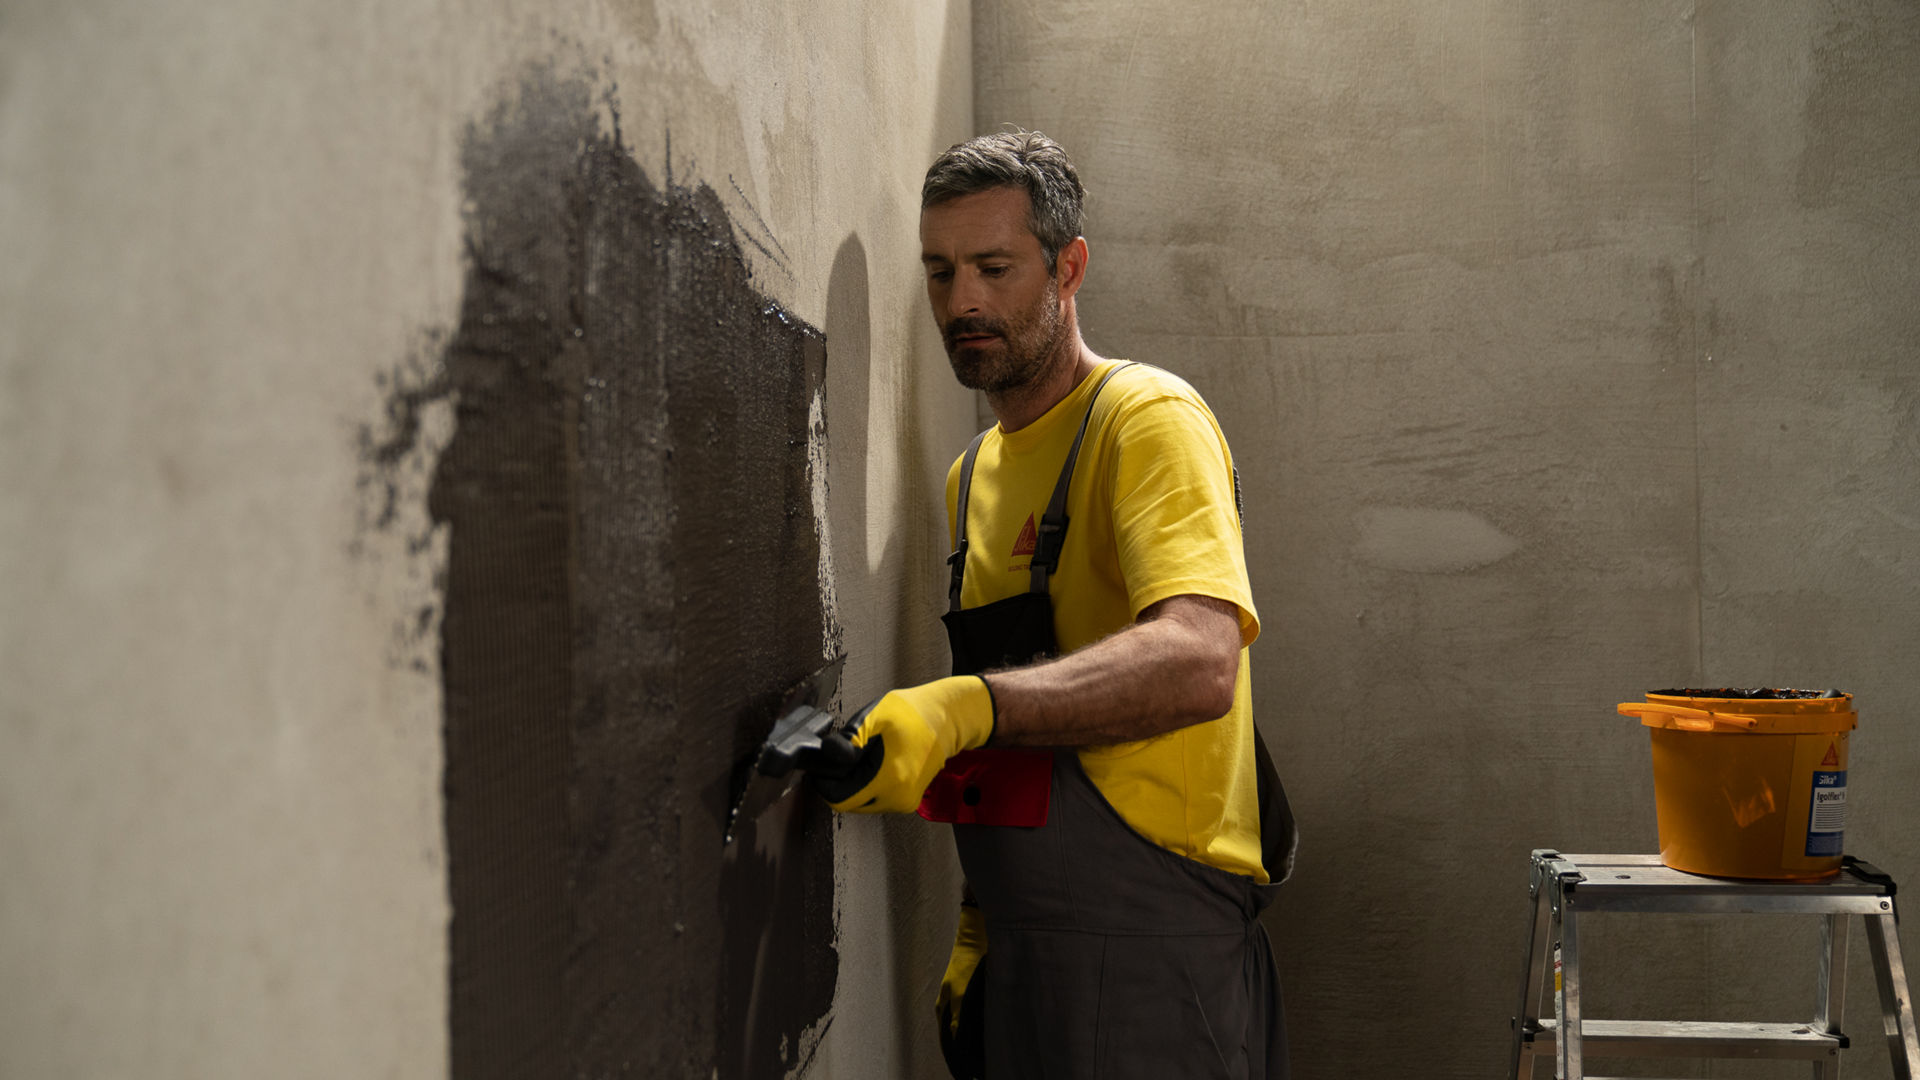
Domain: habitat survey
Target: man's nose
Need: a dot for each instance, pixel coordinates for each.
(964, 297)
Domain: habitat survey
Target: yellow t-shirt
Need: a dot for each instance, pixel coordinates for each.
(1151, 514)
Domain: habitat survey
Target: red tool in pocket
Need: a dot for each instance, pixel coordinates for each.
(991, 787)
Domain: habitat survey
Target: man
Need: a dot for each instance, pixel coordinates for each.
(1100, 611)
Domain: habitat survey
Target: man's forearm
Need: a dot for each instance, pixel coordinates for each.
(1175, 667)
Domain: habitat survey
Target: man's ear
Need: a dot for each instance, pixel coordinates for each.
(1070, 267)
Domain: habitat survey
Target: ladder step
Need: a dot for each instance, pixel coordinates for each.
(1693, 1038)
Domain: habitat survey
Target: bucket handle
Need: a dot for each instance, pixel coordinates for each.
(1688, 719)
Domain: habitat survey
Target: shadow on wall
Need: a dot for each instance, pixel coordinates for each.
(633, 581)
(893, 632)
(913, 857)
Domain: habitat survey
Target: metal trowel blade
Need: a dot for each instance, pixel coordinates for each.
(765, 777)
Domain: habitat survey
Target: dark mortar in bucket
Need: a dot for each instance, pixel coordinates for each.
(1752, 693)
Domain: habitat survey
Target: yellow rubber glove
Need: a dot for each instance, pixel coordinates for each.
(969, 945)
(903, 739)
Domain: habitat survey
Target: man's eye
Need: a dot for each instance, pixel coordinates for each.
(994, 271)
(940, 275)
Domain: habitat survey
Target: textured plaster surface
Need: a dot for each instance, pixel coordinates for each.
(237, 253)
(1566, 353)
(219, 731)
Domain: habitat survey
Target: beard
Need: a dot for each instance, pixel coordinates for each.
(1026, 345)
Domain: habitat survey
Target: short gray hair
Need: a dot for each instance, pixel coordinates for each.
(1022, 159)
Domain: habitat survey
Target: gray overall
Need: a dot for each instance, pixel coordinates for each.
(1108, 956)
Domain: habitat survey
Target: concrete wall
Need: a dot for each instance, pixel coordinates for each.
(1567, 353)
(244, 298)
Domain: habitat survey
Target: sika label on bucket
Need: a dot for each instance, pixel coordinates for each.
(1749, 783)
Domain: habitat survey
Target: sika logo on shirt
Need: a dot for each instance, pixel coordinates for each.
(1029, 541)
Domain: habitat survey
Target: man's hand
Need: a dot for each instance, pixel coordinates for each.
(903, 739)
(958, 1008)
(969, 945)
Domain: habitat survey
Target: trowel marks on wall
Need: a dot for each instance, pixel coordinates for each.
(633, 580)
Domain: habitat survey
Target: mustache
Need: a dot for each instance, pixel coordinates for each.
(972, 324)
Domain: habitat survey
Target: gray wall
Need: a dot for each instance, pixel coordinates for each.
(1567, 353)
(238, 248)
(1562, 348)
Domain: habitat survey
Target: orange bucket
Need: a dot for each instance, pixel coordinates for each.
(1749, 783)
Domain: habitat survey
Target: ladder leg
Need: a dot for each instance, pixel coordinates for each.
(1896, 1004)
(1539, 964)
(1833, 990)
(1567, 979)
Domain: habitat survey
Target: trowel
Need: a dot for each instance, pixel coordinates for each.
(798, 743)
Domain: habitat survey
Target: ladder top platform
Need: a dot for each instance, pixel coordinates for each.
(1644, 883)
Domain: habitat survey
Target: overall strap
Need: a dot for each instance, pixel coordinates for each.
(958, 560)
(1053, 524)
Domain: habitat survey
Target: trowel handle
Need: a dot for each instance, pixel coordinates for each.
(1685, 718)
(836, 755)
(805, 739)
(795, 739)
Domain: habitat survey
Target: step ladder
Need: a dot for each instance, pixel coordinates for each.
(1562, 887)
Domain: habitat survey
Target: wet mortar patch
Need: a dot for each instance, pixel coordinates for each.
(631, 583)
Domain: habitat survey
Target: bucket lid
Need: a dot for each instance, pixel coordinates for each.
(1753, 712)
